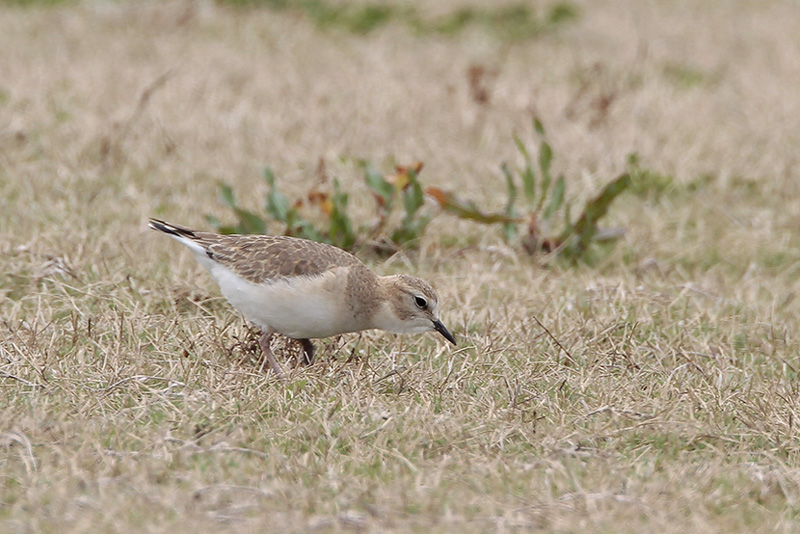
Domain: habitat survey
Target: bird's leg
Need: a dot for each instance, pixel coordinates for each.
(268, 356)
(308, 351)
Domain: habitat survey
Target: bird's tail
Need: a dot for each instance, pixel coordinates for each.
(171, 229)
(190, 238)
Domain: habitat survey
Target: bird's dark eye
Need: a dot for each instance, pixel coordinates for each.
(421, 302)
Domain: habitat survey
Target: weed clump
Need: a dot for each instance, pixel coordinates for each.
(512, 22)
(334, 223)
(544, 225)
(546, 220)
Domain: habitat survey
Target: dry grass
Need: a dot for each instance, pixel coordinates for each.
(128, 401)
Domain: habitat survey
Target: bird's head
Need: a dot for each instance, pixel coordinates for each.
(410, 306)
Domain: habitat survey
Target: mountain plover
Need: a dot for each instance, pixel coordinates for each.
(304, 289)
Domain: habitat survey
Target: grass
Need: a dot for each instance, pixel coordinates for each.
(514, 21)
(656, 389)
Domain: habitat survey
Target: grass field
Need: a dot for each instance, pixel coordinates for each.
(664, 397)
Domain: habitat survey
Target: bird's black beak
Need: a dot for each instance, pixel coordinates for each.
(439, 327)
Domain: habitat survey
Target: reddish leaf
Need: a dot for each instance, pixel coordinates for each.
(466, 210)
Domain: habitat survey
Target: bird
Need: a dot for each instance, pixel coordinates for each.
(308, 290)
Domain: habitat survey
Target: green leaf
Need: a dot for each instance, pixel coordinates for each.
(529, 185)
(227, 196)
(510, 224)
(379, 185)
(556, 199)
(538, 126)
(545, 157)
(527, 174)
(340, 226)
(277, 203)
(509, 231)
(306, 230)
(269, 176)
(568, 227)
(413, 197)
(419, 196)
(221, 228)
(562, 12)
(413, 224)
(250, 223)
(522, 148)
(410, 231)
(586, 225)
(511, 189)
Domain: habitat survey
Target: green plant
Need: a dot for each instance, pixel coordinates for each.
(334, 223)
(547, 203)
(546, 218)
(406, 186)
(516, 21)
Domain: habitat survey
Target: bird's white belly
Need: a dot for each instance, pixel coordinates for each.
(299, 307)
